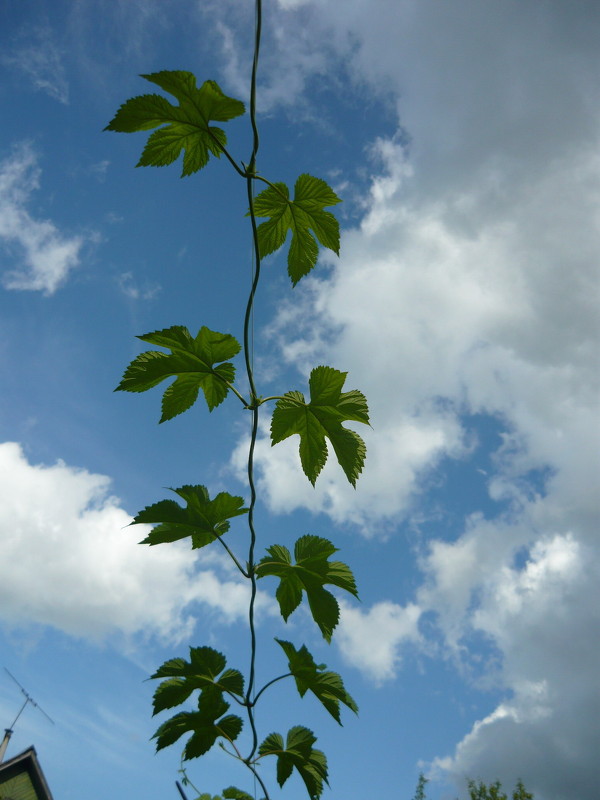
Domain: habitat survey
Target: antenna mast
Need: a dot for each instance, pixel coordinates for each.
(28, 699)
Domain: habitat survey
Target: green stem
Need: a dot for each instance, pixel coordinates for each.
(230, 386)
(227, 154)
(237, 755)
(275, 397)
(253, 393)
(272, 185)
(251, 565)
(270, 683)
(233, 558)
(247, 170)
(257, 32)
(237, 394)
(259, 779)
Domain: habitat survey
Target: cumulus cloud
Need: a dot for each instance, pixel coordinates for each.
(433, 321)
(398, 455)
(37, 56)
(372, 640)
(288, 62)
(471, 287)
(43, 254)
(68, 559)
(543, 617)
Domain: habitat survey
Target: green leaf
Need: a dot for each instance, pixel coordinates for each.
(232, 681)
(271, 745)
(191, 362)
(300, 215)
(327, 687)
(204, 725)
(233, 793)
(298, 754)
(184, 127)
(321, 419)
(310, 573)
(203, 519)
(205, 669)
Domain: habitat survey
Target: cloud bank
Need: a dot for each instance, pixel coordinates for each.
(471, 287)
(68, 560)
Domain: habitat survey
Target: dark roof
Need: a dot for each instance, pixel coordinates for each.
(21, 778)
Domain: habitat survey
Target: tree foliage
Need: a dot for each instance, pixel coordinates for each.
(481, 791)
(420, 790)
(493, 791)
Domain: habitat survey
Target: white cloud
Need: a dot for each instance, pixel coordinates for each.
(99, 169)
(68, 559)
(432, 320)
(39, 58)
(371, 641)
(471, 287)
(544, 619)
(397, 455)
(131, 289)
(286, 61)
(46, 255)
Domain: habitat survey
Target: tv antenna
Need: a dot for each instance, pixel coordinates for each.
(28, 699)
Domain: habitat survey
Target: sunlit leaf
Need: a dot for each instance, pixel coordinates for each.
(193, 362)
(183, 127)
(202, 519)
(303, 214)
(320, 419)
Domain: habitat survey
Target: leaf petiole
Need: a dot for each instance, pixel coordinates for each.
(234, 559)
(227, 154)
(236, 393)
(272, 397)
(270, 683)
(273, 186)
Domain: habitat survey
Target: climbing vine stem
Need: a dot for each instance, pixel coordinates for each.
(249, 369)
(202, 365)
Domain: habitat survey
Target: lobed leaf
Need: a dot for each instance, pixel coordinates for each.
(206, 725)
(205, 669)
(327, 687)
(300, 215)
(298, 753)
(193, 362)
(309, 574)
(233, 793)
(320, 419)
(184, 127)
(202, 519)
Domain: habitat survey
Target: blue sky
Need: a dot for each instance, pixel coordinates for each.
(463, 139)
